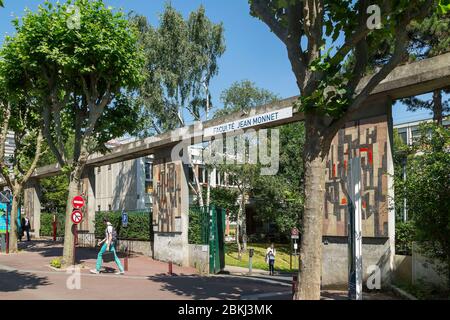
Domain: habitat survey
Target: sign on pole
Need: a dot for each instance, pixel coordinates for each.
(354, 230)
(124, 219)
(77, 216)
(5, 196)
(78, 202)
(294, 233)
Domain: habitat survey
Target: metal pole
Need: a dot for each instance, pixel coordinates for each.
(354, 231)
(54, 227)
(7, 232)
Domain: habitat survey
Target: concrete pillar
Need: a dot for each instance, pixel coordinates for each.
(170, 209)
(140, 183)
(391, 195)
(91, 204)
(368, 135)
(32, 205)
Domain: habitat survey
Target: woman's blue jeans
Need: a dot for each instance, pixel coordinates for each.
(100, 257)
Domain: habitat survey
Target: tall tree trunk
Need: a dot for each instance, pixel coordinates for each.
(74, 189)
(243, 223)
(208, 188)
(238, 231)
(437, 107)
(13, 248)
(311, 241)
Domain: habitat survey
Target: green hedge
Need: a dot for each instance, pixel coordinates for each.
(47, 224)
(139, 225)
(195, 225)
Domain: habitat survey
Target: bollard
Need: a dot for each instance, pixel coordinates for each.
(125, 263)
(250, 262)
(170, 267)
(294, 284)
(54, 228)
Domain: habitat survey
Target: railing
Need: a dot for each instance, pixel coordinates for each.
(88, 240)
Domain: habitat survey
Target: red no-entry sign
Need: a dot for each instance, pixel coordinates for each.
(77, 216)
(78, 202)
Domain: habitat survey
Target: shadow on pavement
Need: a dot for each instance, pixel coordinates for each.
(224, 288)
(50, 249)
(16, 281)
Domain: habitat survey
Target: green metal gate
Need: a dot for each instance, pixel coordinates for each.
(212, 230)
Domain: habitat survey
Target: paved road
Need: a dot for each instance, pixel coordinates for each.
(27, 275)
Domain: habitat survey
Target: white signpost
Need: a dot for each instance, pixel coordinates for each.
(249, 122)
(354, 231)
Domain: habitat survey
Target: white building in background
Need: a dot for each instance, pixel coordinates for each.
(409, 131)
(124, 185)
(128, 185)
(10, 146)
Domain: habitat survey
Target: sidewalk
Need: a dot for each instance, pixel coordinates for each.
(38, 254)
(28, 275)
(283, 277)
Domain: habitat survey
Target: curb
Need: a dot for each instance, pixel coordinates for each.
(403, 293)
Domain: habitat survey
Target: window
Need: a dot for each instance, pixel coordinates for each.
(191, 174)
(201, 174)
(98, 169)
(404, 137)
(148, 187)
(218, 181)
(415, 133)
(148, 171)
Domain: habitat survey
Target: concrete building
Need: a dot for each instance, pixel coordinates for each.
(409, 131)
(10, 145)
(369, 135)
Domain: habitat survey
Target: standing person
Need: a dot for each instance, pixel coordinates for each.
(270, 258)
(26, 227)
(22, 228)
(108, 245)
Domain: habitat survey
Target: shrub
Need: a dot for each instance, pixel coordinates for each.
(195, 225)
(139, 225)
(404, 237)
(56, 263)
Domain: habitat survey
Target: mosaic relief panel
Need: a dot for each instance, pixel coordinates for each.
(366, 139)
(166, 195)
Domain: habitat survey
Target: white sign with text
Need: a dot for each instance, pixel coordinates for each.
(249, 122)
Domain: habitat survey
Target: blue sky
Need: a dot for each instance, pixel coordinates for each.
(253, 52)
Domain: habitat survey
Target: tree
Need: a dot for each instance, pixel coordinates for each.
(82, 67)
(19, 115)
(429, 38)
(242, 96)
(331, 85)
(1, 3)
(279, 197)
(243, 177)
(181, 59)
(426, 188)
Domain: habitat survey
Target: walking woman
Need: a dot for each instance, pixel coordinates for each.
(270, 258)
